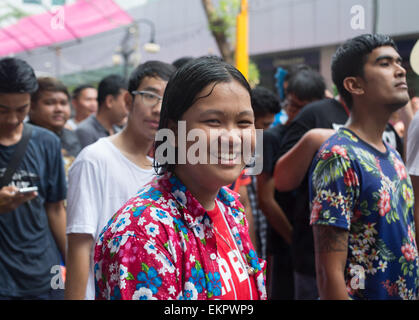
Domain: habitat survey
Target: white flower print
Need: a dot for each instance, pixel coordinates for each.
(121, 222)
(150, 247)
(172, 290)
(141, 221)
(143, 294)
(161, 216)
(118, 241)
(123, 272)
(180, 197)
(172, 250)
(189, 291)
(152, 229)
(166, 263)
(382, 266)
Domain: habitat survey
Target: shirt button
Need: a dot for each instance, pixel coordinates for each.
(213, 256)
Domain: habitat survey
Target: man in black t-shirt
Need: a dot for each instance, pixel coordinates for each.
(32, 225)
(304, 86)
(327, 114)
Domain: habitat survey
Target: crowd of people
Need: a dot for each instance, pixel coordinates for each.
(332, 215)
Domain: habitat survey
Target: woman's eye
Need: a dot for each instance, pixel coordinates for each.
(212, 121)
(245, 123)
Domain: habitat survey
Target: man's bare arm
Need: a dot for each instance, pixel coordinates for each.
(292, 167)
(331, 251)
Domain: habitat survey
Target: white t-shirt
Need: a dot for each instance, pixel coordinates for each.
(101, 180)
(72, 124)
(412, 152)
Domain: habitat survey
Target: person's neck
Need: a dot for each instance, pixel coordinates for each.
(369, 126)
(77, 118)
(104, 120)
(133, 147)
(202, 194)
(9, 138)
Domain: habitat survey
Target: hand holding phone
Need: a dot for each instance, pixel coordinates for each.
(11, 198)
(28, 189)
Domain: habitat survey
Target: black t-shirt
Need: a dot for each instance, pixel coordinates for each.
(27, 248)
(272, 137)
(327, 114)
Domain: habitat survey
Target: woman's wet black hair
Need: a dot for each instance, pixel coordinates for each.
(183, 91)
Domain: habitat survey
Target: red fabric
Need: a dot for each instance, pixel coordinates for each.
(242, 180)
(234, 278)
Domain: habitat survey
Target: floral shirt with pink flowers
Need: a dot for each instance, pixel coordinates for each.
(161, 245)
(369, 193)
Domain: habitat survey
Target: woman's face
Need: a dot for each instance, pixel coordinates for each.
(220, 126)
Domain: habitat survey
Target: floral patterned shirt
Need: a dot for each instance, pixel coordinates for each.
(161, 245)
(355, 187)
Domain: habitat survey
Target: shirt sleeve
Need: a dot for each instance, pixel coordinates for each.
(292, 135)
(84, 195)
(56, 181)
(133, 267)
(334, 188)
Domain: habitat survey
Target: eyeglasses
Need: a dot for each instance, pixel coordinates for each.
(148, 98)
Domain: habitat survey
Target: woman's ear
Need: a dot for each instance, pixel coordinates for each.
(353, 85)
(172, 126)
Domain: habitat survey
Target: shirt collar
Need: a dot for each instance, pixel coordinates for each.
(193, 211)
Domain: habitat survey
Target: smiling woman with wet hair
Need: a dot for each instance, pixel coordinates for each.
(185, 235)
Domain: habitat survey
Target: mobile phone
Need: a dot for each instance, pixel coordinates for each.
(28, 189)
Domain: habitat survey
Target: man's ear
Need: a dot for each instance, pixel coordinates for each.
(109, 101)
(129, 101)
(353, 85)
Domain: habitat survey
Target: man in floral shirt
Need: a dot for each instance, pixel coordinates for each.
(362, 197)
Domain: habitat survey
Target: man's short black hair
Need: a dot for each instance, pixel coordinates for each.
(110, 85)
(181, 61)
(264, 102)
(49, 84)
(307, 85)
(80, 88)
(350, 58)
(151, 69)
(17, 76)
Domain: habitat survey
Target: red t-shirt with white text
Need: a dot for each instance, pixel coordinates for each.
(234, 277)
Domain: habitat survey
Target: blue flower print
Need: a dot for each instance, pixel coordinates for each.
(152, 194)
(179, 225)
(161, 214)
(116, 294)
(214, 284)
(237, 238)
(235, 212)
(139, 210)
(149, 279)
(176, 184)
(253, 260)
(198, 279)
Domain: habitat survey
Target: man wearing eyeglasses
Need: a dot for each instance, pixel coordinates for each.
(109, 172)
(112, 110)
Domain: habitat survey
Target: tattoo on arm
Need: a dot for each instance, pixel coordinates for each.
(330, 239)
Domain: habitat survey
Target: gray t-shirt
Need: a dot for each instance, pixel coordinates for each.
(90, 130)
